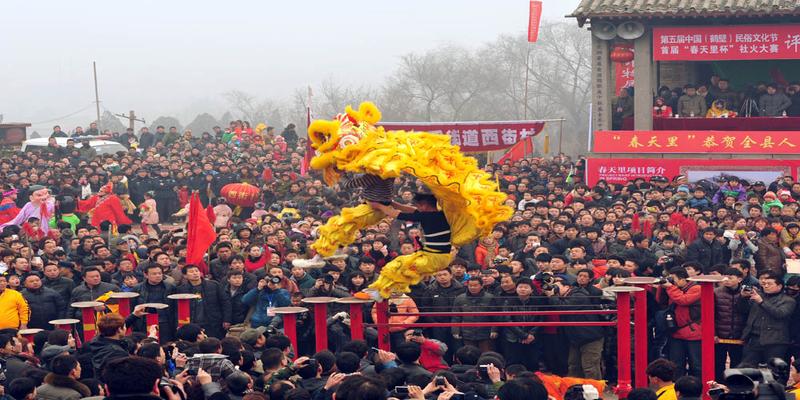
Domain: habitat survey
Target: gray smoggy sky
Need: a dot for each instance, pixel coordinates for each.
(176, 57)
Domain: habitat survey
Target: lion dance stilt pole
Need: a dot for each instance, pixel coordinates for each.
(467, 195)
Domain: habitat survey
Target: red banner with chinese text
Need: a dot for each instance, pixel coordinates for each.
(730, 42)
(623, 73)
(718, 142)
(475, 136)
(623, 170)
(534, 18)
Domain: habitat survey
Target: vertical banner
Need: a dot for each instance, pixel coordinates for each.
(623, 72)
(534, 18)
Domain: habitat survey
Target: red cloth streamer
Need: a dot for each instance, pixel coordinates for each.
(200, 232)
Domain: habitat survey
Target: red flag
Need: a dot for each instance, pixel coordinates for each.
(212, 216)
(534, 18)
(518, 151)
(199, 232)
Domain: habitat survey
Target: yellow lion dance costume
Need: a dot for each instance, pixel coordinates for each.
(468, 196)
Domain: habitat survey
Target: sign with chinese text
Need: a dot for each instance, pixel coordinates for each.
(534, 17)
(623, 74)
(623, 170)
(475, 136)
(730, 42)
(717, 142)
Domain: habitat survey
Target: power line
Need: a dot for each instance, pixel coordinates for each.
(65, 116)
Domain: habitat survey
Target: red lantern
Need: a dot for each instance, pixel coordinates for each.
(621, 54)
(240, 194)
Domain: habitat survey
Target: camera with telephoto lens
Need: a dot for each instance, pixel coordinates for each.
(547, 280)
(762, 383)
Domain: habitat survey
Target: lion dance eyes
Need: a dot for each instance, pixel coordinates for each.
(347, 140)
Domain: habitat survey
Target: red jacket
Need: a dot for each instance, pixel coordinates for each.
(685, 300)
(431, 357)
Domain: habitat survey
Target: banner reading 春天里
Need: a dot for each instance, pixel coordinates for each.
(718, 142)
(475, 136)
(729, 42)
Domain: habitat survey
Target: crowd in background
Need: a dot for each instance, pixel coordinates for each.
(566, 244)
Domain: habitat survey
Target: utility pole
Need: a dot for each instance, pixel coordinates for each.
(96, 95)
(131, 117)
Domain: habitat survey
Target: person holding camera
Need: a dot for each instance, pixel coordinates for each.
(766, 333)
(266, 297)
(684, 300)
(585, 342)
(432, 350)
(729, 320)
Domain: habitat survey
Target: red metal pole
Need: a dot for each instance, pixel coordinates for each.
(356, 321)
(382, 313)
(321, 325)
(290, 330)
(124, 307)
(152, 319)
(623, 344)
(707, 342)
(640, 333)
(88, 323)
(184, 314)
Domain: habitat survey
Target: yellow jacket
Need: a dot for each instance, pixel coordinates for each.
(13, 309)
(667, 393)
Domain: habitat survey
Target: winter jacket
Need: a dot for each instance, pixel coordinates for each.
(773, 105)
(263, 300)
(769, 256)
(438, 298)
(405, 305)
(305, 283)
(63, 286)
(83, 292)
(431, 357)
(515, 334)
(167, 318)
(694, 202)
(769, 320)
(578, 299)
(706, 253)
(61, 387)
(14, 309)
(687, 311)
(728, 319)
(787, 238)
(104, 349)
(692, 106)
(45, 305)
(238, 309)
(468, 302)
(212, 308)
(726, 190)
(253, 265)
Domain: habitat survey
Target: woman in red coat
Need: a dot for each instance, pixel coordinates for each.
(661, 109)
(256, 257)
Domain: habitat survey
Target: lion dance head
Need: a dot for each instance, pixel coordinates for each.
(331, 138)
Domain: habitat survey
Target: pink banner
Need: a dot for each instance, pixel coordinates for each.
(728, 42)
(475, 136)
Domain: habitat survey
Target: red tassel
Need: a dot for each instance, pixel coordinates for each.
(647, 229)
(635, 227)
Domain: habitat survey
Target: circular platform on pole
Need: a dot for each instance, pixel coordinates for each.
(319, 300)
(641, 280)
(29, 331)
(707, 279)
(183, 296)
(157, 306)
(87, 304)
(123, 295)
(623, 289)
(289, 310)
(64, 321)
(353, 300)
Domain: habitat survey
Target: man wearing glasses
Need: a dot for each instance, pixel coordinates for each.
(766, 333)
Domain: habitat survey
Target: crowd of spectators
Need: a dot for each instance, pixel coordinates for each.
(566, 244)
(715, 99)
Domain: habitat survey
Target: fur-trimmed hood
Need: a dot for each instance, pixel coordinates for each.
(66, 382)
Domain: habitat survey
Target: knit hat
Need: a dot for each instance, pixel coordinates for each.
(770, 195)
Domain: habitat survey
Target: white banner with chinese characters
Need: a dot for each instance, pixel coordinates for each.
(480, 136)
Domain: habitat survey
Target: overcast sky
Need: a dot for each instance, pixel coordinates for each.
(176, 57)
